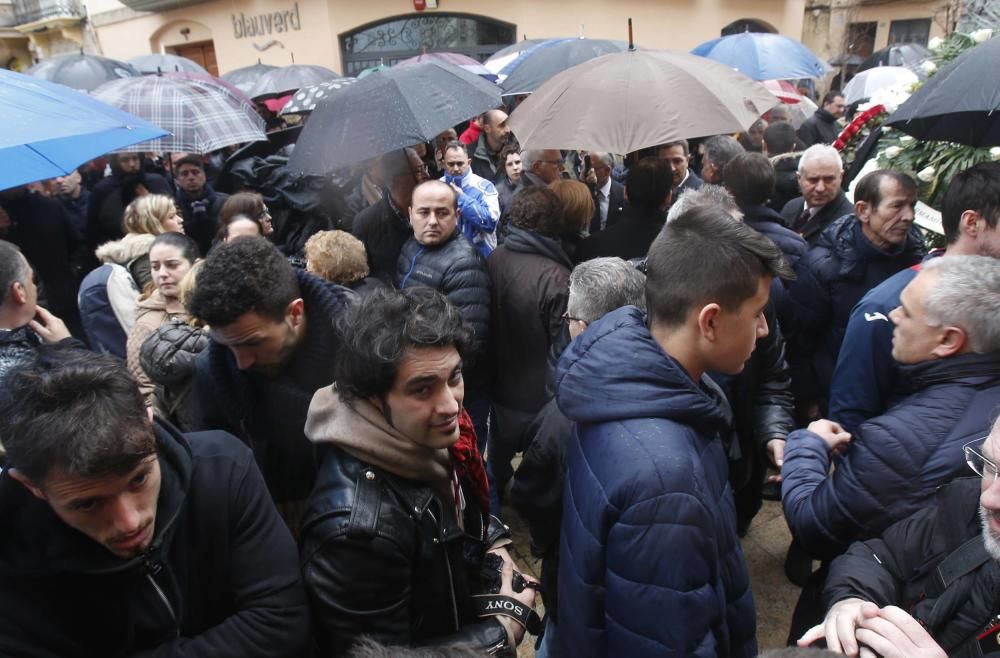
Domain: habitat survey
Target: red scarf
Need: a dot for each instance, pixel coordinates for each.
(468, 465)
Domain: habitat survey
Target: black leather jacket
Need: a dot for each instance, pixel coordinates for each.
(382, 558)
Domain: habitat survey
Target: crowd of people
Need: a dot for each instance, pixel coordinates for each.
(231, 434)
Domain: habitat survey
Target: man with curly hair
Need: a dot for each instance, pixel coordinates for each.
(272, 347)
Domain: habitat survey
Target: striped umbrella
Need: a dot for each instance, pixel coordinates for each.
(200, 117)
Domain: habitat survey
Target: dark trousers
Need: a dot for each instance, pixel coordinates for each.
(506, 440)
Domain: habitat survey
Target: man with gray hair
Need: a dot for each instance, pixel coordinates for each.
(821, 171)
(596, 288)
(706, 195)
(716, 152)
(609, 195)
(947, 342)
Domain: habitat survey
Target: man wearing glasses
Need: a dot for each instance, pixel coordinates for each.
(942, 565)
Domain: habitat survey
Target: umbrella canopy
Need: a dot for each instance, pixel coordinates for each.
(165, 63)
(288, 79)
(547, 59)
(763, 56)
(627, 101)
(503, 58)
(956, 104)
(83, 72)
(387, 112)
(211, 81)
(514, 49)
(373, 69)
(865, 84)
(244, 78)
(456, 59)
(48, 130)
(305, 99)
(909, 55)
(201, 117)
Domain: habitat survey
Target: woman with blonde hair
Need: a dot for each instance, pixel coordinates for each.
(340, 257)
(145, 218)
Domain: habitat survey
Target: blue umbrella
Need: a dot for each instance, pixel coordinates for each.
(48, 129)
(764, 56)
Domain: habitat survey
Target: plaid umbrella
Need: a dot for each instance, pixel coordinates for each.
(305, 99)
(201, 117)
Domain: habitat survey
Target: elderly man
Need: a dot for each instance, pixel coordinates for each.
(679, 156)
(541, 167)
(866, 375)
(822, 126)
(124, 537)
(716, 152)
(942, 565)
(609, 195)
(486, 162)
(853, 255)
(198, 202)
(820, 173)
(478, 199)
(384, 227)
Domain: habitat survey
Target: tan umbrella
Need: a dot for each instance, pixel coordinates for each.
(627, 101)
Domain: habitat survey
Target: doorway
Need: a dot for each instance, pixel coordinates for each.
(202, 53)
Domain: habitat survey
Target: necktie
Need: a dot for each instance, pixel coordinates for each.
(595, 223)
(803, 218)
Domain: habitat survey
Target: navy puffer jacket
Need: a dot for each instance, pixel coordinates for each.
(896, 461)
(651, 565)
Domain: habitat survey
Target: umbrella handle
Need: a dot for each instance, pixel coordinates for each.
(631, 45)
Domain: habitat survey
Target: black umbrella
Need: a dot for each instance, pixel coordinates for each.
(83, 72)
(956, 104)
(547, 60)
(397, 108)
(288, 79)
(520, 46)
(909, 55)
(166, 63)
(244, 78)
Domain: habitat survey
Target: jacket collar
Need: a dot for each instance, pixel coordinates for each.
(971, 366)
(525, 241)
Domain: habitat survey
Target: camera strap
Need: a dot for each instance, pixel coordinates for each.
(492, 605)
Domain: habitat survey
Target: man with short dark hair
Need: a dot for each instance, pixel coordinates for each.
(74, 197)
(822, 126)
(678, 155)
(866, 375)
(716, 152)
(397, 532)
(852, 256)
(647, 473)
(123, 536)
(781, 146)
(198, 202)
(273, 346)
(819, 175)
(486, 149)
(647, 191)
(384, 227)
(478, 199)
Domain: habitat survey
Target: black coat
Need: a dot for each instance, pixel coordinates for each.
(201, 216)
(383, 229)
(820, 128)
(786, 182)
(629, 238)
(812, 229)
(221, 558)
(108, 201)
(456, 270)
(269, 412)
(529, 277)
(382, 557)
(616, 207)
(899, 568)
(767, 221)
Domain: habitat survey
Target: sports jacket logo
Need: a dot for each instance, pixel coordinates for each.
(871, 317)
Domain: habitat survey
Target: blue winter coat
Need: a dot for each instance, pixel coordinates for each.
(651, 565)
(895, 461)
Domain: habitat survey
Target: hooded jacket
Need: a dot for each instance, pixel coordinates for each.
(767, 221)
(896, 461)
(832, 278)
(219, 579)
(529, 277)
(650, 562)
(132, 253)
(383, 553)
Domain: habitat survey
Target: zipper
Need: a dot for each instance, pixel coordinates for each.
(153, 568)
(451, 582)
(413, 264)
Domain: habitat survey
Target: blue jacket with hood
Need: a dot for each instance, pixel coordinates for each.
(651, 564)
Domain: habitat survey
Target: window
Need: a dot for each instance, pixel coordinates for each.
(916, 30)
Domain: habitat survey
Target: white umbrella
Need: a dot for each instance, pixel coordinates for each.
(864, 85)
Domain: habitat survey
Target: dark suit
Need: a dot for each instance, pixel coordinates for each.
(616, 206)
(692, 182)
(820, 219)
(629, 238)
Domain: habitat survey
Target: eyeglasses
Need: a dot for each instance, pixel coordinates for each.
(566, 317)
(982, 466)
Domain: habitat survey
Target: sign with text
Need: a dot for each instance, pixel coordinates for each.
(266, 24)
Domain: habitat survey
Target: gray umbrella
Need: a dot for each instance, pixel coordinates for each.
(245, 78)
(83, 72)
(157, 63)
(397, 108)
(289, 78)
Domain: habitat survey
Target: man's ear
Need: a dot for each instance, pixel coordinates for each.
(708, 318)
(295, 312)
(862, 209)
(968, 223)
(19, 292)
(28, 484)
(953, 341)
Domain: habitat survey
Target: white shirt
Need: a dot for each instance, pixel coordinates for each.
(603, 200)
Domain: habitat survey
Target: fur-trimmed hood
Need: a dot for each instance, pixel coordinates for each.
(126, 250)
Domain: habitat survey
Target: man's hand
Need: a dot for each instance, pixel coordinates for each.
(776, 453)
(838, 628)
(590, 177)
(515, 632)
(458, 190)
(48, 327)
(836, 437)
(892, 633)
